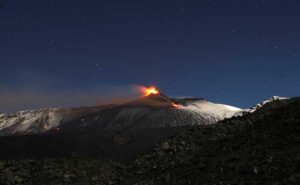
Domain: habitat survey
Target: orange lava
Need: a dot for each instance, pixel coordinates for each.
(147, 91)
(175, 105)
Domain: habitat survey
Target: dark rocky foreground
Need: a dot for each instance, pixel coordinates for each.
(125, 144)
(258, 148)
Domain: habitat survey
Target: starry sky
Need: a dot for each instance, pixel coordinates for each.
(234, 52)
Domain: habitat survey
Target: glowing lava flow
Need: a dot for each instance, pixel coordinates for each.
(176, 106)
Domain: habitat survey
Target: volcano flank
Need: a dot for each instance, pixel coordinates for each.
(113, 131)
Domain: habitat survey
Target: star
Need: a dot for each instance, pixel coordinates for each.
(98, 65)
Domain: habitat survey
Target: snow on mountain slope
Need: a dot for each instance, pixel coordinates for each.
(268, 101)
(218, 110)
(156, 112)
(37, 121)
(150, 112)
(21, 120)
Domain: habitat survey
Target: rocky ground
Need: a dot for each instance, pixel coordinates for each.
(258, 148)
(58, 172)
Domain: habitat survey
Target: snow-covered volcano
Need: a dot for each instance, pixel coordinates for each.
(154, 111)
(119, 132)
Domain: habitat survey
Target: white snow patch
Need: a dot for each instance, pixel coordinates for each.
(273, 98)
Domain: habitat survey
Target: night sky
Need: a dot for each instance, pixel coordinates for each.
(234, 52)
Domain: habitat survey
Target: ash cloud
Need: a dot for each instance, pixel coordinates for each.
(16, 99)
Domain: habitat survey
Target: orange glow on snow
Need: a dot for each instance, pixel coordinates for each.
(175, 105)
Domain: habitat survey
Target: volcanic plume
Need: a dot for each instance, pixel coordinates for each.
(151, 96)
(147, 91)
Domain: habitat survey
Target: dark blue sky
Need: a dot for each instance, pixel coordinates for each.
(235, 52)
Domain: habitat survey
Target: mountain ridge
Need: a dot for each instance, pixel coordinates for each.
(149, 112)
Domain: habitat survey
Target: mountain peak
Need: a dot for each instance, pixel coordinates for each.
(270, 100)
(153, 100)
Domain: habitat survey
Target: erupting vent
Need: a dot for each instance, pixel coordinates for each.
(147, 91)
